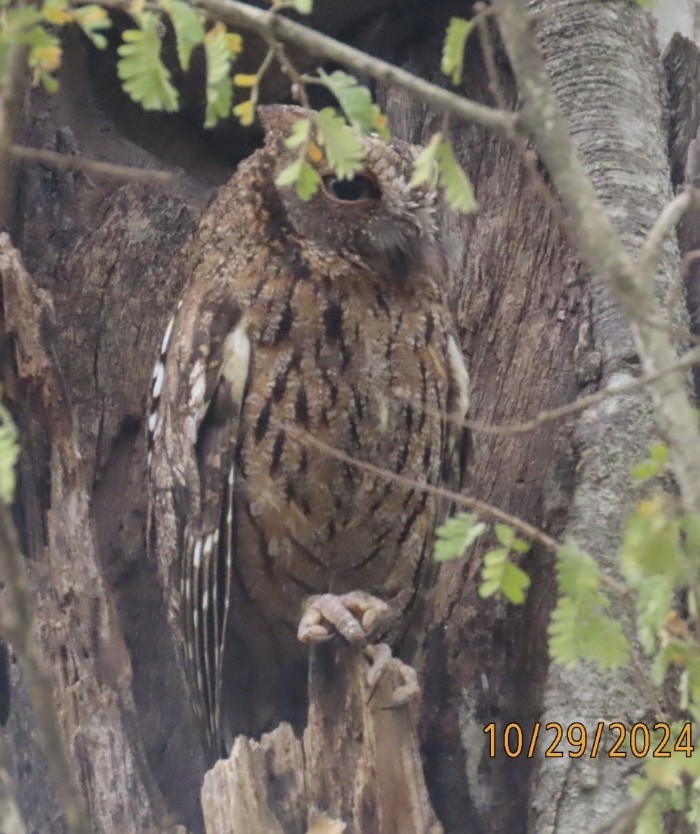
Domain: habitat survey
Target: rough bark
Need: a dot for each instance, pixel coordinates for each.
(357, 770)
(609, 84)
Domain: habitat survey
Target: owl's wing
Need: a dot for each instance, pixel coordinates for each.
(458, 436)
(203, 382)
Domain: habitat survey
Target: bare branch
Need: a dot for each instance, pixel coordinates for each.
(691, 358)
(481, 507)
(266, 23)
(664, 225)
(91, 166)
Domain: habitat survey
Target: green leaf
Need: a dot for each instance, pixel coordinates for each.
(500, 574)
(577, 571)
(453, 48)
(92, 19)
(654, 465)
(9, 452)
(303, 176)
(342, 144)
(653, 602)
(308, 181)
(425, 167)
(219, 88)
(301, 131)
(504, 534)
(456, 536)
(355, 99)
(145, 78)
(458, 190)
(651, 543)
(302, 6)
(578, 631)
(189, 31)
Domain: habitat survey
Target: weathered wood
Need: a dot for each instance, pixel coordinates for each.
(357, 769)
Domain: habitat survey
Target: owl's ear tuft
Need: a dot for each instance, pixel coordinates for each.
(277, 120)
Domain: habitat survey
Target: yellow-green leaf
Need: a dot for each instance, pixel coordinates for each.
(9, 452)
(342, 144)
(355, 99)
(425, 170)
(301, 131)
(145, 78)
(189, 31)
(453, 48)
(219, 89)
(458, 190)
(456, 536)
(92, 20)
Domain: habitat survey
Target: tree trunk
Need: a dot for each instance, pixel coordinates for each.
(80, 331)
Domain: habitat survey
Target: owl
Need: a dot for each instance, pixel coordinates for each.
(306, 327)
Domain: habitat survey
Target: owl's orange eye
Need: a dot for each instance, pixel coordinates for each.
(359, 189)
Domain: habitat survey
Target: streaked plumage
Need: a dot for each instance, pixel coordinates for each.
(327, 316)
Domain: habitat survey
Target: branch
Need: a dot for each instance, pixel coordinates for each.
(692, 357)
(600, 246)
(92, 166)
(481, 507)
(269, 24)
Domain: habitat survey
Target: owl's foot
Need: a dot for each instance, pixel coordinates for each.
(354, 616)
(383, 661)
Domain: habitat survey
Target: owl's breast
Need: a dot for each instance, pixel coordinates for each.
(364, 375)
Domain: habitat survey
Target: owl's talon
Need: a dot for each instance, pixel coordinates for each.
(383, 660)
(354, 616)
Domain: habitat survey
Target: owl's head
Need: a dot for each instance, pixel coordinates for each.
(374, 219)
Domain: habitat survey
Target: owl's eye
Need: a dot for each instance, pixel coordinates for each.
(359, 189)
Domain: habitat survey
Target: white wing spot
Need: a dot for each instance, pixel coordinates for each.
(158, 377)
(168, 333)
(205, 599)
(197, 558)
(208, 544)
(236, 360)
(460, 376)
(231, 476)
(152, 420)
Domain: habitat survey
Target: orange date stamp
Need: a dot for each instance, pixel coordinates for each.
(619, 742)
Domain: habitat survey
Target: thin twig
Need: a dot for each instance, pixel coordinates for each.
(267, 23)
(666, 222)
(93, 166)
(481, 507)
(17, 628)
(549, 415)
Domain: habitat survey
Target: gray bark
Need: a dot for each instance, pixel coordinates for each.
(609, 84)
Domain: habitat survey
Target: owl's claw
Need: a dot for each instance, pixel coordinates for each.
(382, 661)
(354, 616)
